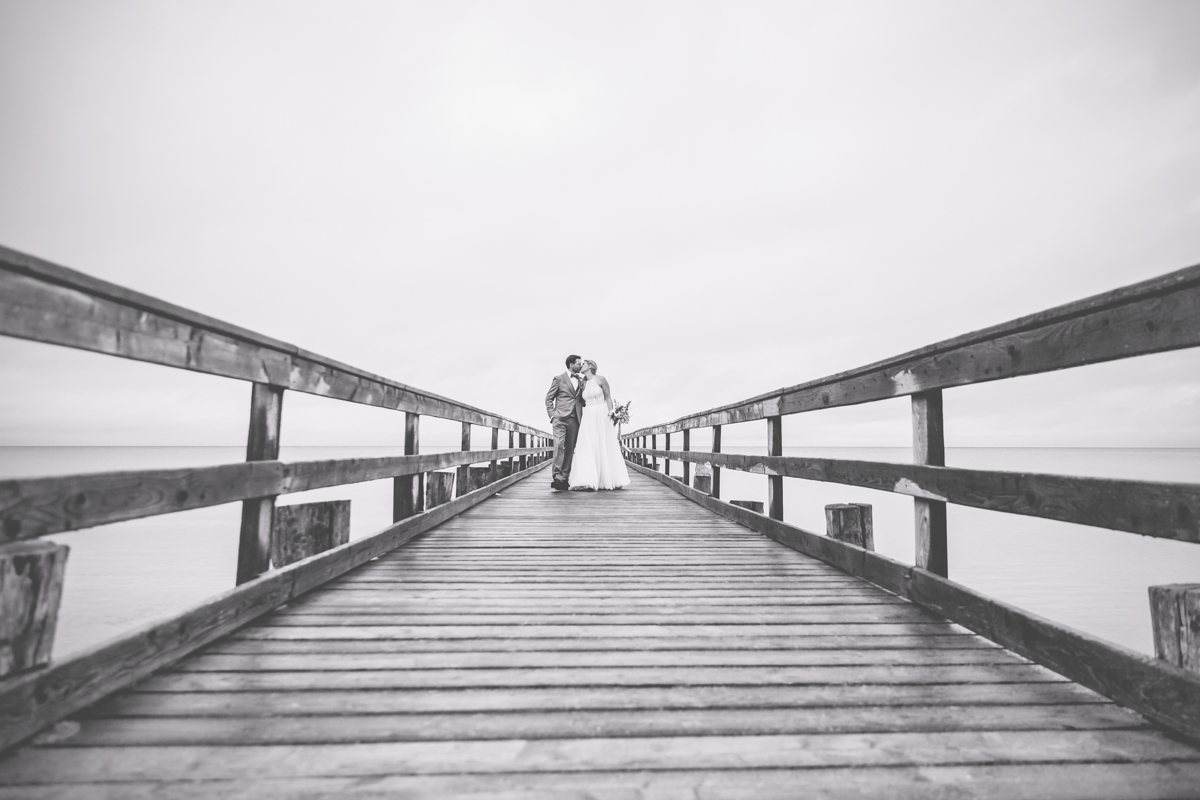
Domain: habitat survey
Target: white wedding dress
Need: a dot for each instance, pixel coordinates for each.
(597, 463)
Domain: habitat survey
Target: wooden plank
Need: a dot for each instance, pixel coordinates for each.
(404, 679)
(31, 584)
(305, 529)
(1148, 317)
(33, 507)
(316, 730)
(337, 662)
(1150, 508)
(30, 702)
(1165, 694)
(42, 765)
(48, 303)
(589, 698)
(1060, 781)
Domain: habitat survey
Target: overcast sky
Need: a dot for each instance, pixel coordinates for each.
(710, 199)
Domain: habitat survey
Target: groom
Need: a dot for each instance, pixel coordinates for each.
(562, 404)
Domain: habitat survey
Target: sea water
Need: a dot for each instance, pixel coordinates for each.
(124, 575)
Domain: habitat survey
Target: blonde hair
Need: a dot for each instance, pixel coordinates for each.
(587, 362)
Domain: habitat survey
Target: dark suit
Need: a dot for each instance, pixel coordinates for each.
(562, 404)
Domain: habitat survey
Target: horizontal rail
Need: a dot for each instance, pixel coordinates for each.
(1149, 508)
(1164, 693)
(35, 700)
(1148, 317)
(44, 302)
(32, 507)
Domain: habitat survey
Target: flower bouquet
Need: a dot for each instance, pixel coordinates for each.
(620, 414)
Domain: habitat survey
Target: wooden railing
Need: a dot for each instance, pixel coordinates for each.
(46, 303)
(1154, 316)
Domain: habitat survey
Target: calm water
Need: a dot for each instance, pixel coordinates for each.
(120, 576)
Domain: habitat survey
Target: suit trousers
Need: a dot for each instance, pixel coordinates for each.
(565, 430)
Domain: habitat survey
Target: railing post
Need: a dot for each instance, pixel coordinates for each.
(929, 447)
(511, 463)
(464, 470)
(408, 491)
(654, 446)
(687, 465)
(716, 448)
(667, 461)
(262, 444)
(521, 443)
(495, 446)
(775, 482)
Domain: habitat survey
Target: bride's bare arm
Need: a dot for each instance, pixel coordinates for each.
(607, 393)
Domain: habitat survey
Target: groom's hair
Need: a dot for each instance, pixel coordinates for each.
(572, 359)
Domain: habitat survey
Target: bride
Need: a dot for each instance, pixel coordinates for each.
(598, 463)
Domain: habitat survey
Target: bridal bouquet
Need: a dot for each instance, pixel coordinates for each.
(620, 414)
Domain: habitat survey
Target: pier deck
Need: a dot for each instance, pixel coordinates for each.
(620, 644)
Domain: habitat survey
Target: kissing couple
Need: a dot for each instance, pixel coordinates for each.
(586, 449)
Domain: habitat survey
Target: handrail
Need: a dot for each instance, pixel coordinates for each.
(1151, 508)
(34, 507)
(1152, 316)
(45, 302)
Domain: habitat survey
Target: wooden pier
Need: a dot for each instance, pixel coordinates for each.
(500, 639)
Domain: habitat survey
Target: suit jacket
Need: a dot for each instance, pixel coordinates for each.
(564, 400)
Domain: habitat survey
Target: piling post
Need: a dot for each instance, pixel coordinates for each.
(1175, 614)
(716, 471)
(408, 491)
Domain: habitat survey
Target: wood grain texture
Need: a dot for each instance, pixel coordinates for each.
(32, 507)
(852, 523)
(1151, 508)
(1148, 317)
(1166, 694)
(305, 529)
(258, 513)
(48, 303)
(31, 585)
(30, 702)
(1175, 615)
(929, 515)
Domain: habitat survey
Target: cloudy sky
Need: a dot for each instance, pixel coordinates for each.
(710, 199)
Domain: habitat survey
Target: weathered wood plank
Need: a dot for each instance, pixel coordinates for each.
(1061, 781)
(42, 765)
(580, 698)
(852, 523)
(330, 729)
(31, 584)
(32, 507)
(408, 491)
(929, 448)
(30, 702)
(48, 303)
(1151, 508)
(1148, 317)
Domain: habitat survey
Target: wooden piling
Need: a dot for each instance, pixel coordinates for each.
(716, 471)
(851, 523)
(1175, 614)
(439, 489)
(31, 582)
(305, 529)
